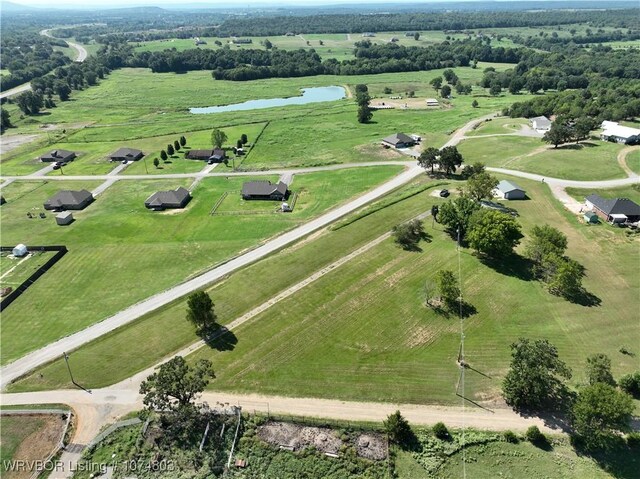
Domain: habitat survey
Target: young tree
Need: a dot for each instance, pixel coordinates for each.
(565, 276)
(440, 431)
(495, 89)
(543, 241)
(429, 158)
(200, 312)
(535, 377)
(447, 285)
(6, 119)
(481, 185)
(62, 90)
(456, 214)
(474, 104)
(630, 383)
(387, 90)
(493, 233)
(164, 156)
(218, 138)
(409, 234)
(175, 385)
(416, 36)
(398, 429)
(450, 76)
(364, 111)
(176, 145)
(267, 44)
(599, 413)
(361, 88)
(450, 159)
(170, 150)
(156, 162)
(436, 83)
(183, 141)
(244, 138)
(599, 370)
(445, 91)
(239, 144)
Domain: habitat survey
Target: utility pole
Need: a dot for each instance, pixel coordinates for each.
(145, 165)
(66, 359)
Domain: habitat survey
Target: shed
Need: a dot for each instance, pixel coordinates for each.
(20, 251)
(590, 217)
(509, 191)
(64, 218)
(541, 123)
(432, 102)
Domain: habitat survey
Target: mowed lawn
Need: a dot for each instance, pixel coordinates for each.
(121, 253)
(110, 359)
(362, 331)
(499, 126)
(590, 160)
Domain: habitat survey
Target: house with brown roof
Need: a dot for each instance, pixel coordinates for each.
(162, 200)
(265, 190)
(126, 154)
(69, 200)
(63, 156)
(217, 155)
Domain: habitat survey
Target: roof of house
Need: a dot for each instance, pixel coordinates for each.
(126, 153)
(218, 153)
(200, 153)
(620, 131)
(507, 186)
(614, 206)
(69, 197)
(398, 138)
(263, 188)
(541, 121)
(171, 197)
(58, 154)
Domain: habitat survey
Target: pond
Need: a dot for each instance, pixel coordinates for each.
(309, 95)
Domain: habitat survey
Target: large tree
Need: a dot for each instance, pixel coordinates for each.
(535, 376)
(175, 384)
(481, 185)
(545, 240)
(557, 134)
(409, 234)
(200, 312)
(456, 214)
(493, 233)
(599, 369)
(436, 83)
(599, 413)
(565, 276)
(429, 158)
(450, 159)
(364, 111)
(218, 138)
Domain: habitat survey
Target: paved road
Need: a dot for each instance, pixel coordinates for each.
(14, 91)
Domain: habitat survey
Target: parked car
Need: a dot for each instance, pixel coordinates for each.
(210, 162)
(56, 166)
(444, 193)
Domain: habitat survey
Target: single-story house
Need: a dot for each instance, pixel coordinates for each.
(64, 218)
(217, 155)
(69, 200)
(617, 210)
(399, 140)
(264, 190)
(19, 251)
(126, 154)
(509, 191)
(590, 217)
(540, 123)
(620, 133)
(432, 102)
(58, 155)
(161, 200)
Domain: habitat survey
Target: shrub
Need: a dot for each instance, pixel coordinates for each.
(534, 435)
(630, 383)
(633, 439)
(509, 436)
(440, 431)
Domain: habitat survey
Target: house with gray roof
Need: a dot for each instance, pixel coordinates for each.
(126, 154)
(217, 154)
(615, 210)
(162, 200)
(265, 190)
(69, 200)
(398, 140)
(509, 191)
(540, 123)
(63, 156)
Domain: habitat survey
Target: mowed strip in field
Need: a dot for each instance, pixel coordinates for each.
(121, 253)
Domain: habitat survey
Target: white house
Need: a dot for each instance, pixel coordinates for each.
(20, 251)
(540, 123)
(509, 191)
(620, 134)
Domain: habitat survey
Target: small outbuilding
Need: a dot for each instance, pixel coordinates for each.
(19, 251)
(69, 200)
(399, 140)
(432, 102)
(590, 217)
(162, 200)
(126, 154)
(63, 156)
(509, 191)
(64, 218)
(540, 123)
(265, 190)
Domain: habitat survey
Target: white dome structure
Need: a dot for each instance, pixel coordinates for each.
(20, 250)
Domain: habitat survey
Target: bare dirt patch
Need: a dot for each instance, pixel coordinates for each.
(296, 437)
(11, 142)
(420, 336)
(377, 152)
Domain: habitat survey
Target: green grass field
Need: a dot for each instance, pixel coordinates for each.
(499, 126)
(633, 161)
(632, 192)
(116, 245)
(589, 160)
(14, 271)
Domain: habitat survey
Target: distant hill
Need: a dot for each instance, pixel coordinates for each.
(10, 7)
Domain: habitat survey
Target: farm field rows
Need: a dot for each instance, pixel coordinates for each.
(121, 253)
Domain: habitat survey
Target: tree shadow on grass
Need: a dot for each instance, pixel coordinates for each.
(577, 146)
(557, 414)
(584, 298)
(616, 457)
(222, 340)
(513, 265)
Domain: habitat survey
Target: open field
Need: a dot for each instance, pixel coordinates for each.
(633, 161)
(14, 271)
(116, 245)
(499, 126)
(631, 192)
(27, 438)
(590, 160)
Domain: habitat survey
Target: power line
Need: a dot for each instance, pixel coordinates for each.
(461, 359)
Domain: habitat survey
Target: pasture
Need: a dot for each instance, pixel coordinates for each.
(121, 253)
